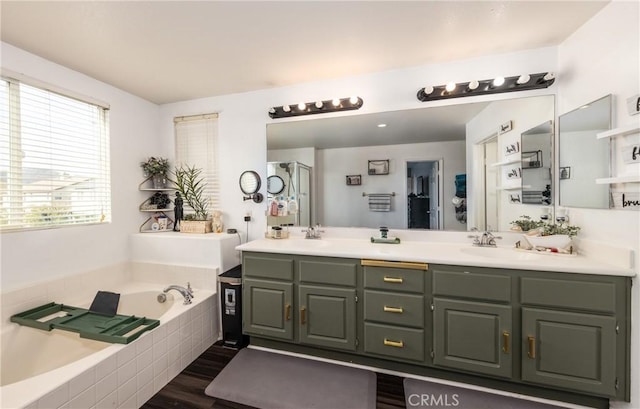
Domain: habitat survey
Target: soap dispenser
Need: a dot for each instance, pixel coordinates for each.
(293, 205)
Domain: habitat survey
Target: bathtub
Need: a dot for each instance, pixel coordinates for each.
(50, 369)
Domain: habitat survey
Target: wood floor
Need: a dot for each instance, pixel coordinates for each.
(186, 391)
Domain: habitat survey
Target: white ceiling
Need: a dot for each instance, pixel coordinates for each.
(168, 51)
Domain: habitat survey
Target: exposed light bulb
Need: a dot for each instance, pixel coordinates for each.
(302, 106)
(353, 100)
(428, 90)
(523, 79)
(450, 86)
(272, 110)
(498, 81)
(382, 125)
(319, 104)
(549, 76)
(473, 85)
(335, 102)
(286, 108)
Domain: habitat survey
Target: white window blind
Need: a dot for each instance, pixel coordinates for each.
(197, 146)
(54, 159)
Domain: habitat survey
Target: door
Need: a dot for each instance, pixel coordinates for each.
(327, 316)
(473, 336)
(569, 350)
(267, 308)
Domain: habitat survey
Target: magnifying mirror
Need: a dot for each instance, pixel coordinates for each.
(250, 184)
(275, 184)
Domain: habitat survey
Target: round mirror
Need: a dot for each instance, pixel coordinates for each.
(275, 184)
(250, 184)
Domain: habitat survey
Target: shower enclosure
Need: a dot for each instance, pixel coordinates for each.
(289, 186)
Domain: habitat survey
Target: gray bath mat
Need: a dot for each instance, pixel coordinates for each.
(270, 380)
(423, 394)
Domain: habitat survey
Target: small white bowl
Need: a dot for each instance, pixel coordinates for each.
(559, 241)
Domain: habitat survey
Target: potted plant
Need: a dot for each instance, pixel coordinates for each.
(191, 186)
(526, 223)
(156, 169)
(551, 235)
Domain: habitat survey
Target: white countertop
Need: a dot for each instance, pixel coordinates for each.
(451, 253)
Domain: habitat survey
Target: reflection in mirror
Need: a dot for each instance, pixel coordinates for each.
(427, 153)
(582, 157)
(536, 157)
(289, 194)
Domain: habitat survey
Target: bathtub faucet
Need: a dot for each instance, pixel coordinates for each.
(187, 293)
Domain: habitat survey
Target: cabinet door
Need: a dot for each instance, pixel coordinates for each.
(473, 336)
(327, 316)
(267, 308)
(569, 350)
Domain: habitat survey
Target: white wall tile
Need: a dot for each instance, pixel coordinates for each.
(145, 392)
(108, 402)
(106, 386)
(160, 364)
(126, 372)
(86, 399)
(126, 354)
(145, 376)
(144, 342)
(106, 367)
(126, 391)
(55, 398)
(160, 380)
(159, 348)
(81, 382)
(145, 359)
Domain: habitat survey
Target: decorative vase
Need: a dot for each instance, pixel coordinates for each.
(159, 181)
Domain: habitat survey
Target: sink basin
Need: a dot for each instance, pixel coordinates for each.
(499, 253)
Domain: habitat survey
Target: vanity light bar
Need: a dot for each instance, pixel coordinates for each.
(317, 107)
(485, 87)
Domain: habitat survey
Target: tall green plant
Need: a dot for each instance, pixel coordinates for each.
(192, 186)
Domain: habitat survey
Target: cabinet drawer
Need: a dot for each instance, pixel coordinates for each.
(394, 308)
(397, 342)
(268, 266)
(468, 283)
(573, 294)
(328, 271)
(394, 279)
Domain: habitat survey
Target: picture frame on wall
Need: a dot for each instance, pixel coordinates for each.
(353, 180)
(565, 172)
(379, 167)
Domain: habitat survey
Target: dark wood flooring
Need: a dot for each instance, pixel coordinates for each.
(186, 391)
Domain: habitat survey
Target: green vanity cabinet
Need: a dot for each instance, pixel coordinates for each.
(268, 295)
(327, 301)
(394, 310)
(575, 333)
(472, 320)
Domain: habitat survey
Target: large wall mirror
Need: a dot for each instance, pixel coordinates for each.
(422, 171)
(582, 157)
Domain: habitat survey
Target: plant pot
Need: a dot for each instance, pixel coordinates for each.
(196, 226)
(559, 241)
(159, 181)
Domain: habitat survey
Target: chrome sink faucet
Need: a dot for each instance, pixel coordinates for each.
(187, 292)
(486, 239)
(313, 232)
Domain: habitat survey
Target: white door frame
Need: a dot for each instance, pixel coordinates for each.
(439, 207)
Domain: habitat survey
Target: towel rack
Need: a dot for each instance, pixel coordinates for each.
(378, 194)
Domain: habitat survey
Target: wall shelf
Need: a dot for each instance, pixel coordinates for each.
(618, 179)
(621, 131)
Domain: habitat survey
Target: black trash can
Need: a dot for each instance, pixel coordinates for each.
(231, 308)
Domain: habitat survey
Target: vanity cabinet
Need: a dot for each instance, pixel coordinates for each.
(556, 335)
(268, 296)
(472, 321)
(574, 333)
(394, 310)
(324, 291)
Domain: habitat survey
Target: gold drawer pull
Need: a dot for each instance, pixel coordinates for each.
(394, 264)
(303, 318)
(287, 312)
(505, 342)
(393, 309)
(532, 347)
(396, 280)
(396, 344)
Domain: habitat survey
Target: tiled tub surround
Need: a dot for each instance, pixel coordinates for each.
(117, 375)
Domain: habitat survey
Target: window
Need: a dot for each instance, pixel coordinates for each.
(54, 159)
(196, 146)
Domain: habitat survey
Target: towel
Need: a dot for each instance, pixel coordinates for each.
(380, 202)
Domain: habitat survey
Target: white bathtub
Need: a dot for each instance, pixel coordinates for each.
(55, 368)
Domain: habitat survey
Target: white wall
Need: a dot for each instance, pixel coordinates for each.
(45, 254)
(603, 57)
